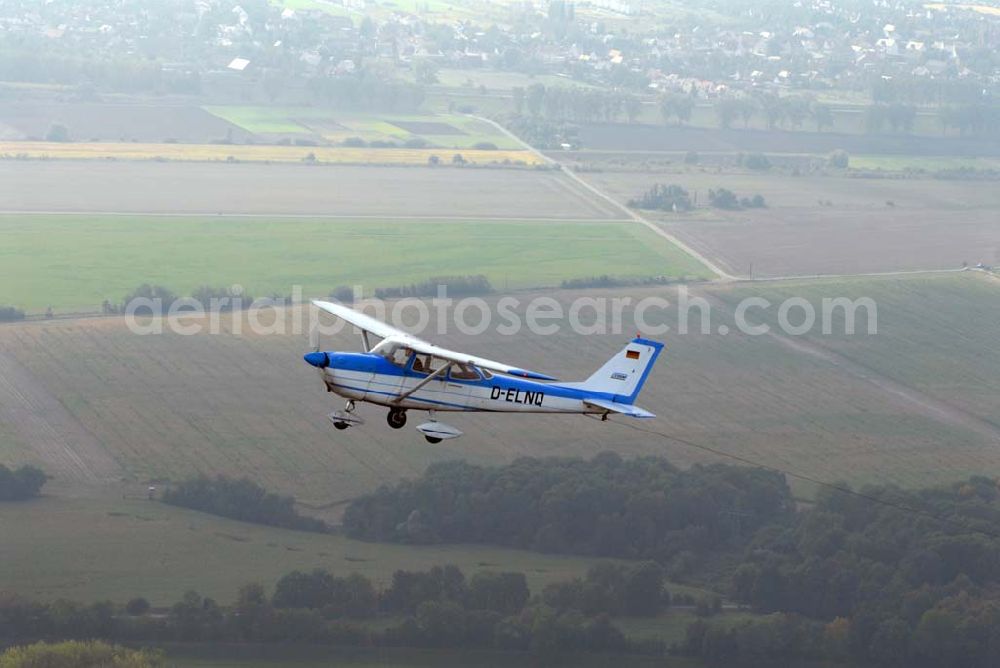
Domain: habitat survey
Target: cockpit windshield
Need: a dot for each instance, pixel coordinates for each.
(400, 356)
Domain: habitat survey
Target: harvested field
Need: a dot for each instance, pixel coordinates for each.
(59, 442)
(864, 225)
(116, 123)
(245, 153)
(622, 137)
(151, 187)
(912, 405)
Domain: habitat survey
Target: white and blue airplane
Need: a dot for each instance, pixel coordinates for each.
(402, 372)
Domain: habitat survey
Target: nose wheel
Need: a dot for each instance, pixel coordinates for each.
(346, 418)
(396, 418)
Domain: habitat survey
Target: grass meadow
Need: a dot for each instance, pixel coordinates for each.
(71, 262)
(90, 549)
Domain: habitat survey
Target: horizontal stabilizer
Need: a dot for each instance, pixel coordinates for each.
(615, 407)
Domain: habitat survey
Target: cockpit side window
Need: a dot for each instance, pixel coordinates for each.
(427, 364)
(463, 372)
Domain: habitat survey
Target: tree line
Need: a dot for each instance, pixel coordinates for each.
(367, 91)
(576, 103)
(438, 608)
(22, 483)
(241, 500)
(158, 299)
(644, 508)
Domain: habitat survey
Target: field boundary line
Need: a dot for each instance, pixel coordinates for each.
(870, 274)
(317, 216)
(632, 215)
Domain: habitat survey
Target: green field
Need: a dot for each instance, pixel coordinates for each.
(445, 130)
(96, 548)
(71, 262)
(912, 405)
(899, 163)
(116, 548)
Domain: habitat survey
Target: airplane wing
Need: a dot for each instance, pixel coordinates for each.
(384, 331)
(360, 320)
(616, 407)
(481, 362)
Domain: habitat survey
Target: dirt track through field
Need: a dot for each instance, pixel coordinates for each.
(903, 395)
(62, 445)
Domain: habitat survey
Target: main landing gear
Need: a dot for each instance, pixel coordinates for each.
(346, 418)
(434, 431)
(396, 418)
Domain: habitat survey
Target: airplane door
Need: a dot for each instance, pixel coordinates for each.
(458, 387)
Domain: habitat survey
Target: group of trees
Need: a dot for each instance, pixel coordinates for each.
(613, 589)
(21, 483)
(158, 299)
(777, 111)
(884, 576)
(663, 197)
(435, 608)
(676, 105)
(542, 132)
(124, 74)
(240, 500)
(972, 119)
(11, 314)
(576, 104)
(723, 198)
(898, 116)
(792, 112)
(642, 508)
(913, 579)
(674, 198)
(456, 286)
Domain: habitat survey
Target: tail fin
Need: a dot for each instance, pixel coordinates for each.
(624, 374)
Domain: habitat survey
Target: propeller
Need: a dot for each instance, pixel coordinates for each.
(315, 357)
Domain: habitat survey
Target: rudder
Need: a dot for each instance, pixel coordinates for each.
(624, 374)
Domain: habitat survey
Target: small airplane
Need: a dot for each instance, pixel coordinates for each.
(402, 372)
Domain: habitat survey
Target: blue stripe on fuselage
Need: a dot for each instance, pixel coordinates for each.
(372, 363)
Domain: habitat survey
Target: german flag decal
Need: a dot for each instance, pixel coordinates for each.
(632, 354)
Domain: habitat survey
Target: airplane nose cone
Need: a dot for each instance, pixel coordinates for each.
(318, 360)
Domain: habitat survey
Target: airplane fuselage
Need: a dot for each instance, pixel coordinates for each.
(374, 379)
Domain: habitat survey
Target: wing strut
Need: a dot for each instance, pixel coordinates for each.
(422, 383)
